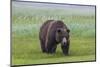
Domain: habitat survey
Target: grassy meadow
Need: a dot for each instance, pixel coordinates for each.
(26, 22)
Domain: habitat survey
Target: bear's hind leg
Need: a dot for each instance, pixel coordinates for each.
(43, 46)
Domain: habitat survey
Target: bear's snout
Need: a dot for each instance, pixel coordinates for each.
(64, 41)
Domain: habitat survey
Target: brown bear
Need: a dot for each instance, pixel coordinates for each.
(53, 32)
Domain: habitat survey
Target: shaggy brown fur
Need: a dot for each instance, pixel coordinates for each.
(51, 33)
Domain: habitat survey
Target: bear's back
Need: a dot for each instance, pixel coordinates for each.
(44, 28)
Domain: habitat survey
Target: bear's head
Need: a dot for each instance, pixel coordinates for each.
(62, 36)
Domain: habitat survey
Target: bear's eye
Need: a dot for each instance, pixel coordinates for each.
(59, 30)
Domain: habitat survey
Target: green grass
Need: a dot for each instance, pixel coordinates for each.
(28, 52)
(26, 23)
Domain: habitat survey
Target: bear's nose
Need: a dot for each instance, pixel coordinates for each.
(64, 43)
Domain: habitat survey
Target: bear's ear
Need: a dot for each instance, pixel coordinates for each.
(68, 30)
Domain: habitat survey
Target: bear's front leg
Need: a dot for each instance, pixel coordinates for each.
(65, 49)
(51, 49)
